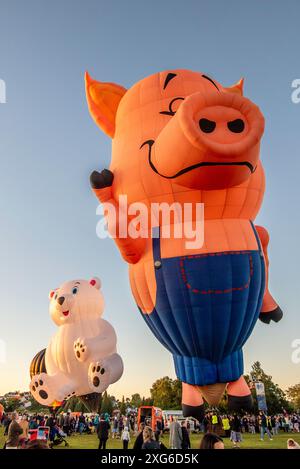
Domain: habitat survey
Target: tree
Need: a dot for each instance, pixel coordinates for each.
(11, 404)
(115, 402)
(161, 392)
(177, 388)
(123, 407)
(293, 393)
(147, 401)
(136, 401)
(107, 404)
(166, 393)
(275, 397)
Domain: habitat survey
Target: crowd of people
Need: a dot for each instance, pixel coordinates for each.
(234, 426)
(215, 427)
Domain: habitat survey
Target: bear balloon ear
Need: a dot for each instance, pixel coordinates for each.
(103, 100)
(95, 282)
(52, 293)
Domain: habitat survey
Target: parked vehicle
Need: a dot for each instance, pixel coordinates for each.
(151, 416)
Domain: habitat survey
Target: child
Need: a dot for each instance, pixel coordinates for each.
(125, 437)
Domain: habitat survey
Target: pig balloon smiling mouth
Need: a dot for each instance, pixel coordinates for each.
(197, 165)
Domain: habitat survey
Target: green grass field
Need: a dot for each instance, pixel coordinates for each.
(249, 441)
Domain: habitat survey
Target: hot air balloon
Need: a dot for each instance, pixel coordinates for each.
(81, 358)
(180, 138)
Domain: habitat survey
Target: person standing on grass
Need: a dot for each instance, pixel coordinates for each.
(132, 420)
(60, 419)
(14, 432)
(273, 425)
(149, 441)
(214, 422)
(25, 427)
(120, 426)
(226, 425)
(252, 425)
(125, 437)
(158, 429)
(51, 422)
(264, 426)
(42, 421)
(95, 422)
(139, 439)
(66, 424)
(103, 432)
(185, 444)
(245, 422)
(175, 435)
(236, 431)
(81, 423)
(33, 423)
(115, 426)
(205, 423)
(269, 424)
(286, 424)
(295, 423)
(6, 423)
(277, 424)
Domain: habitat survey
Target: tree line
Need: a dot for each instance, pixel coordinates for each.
(165, 393)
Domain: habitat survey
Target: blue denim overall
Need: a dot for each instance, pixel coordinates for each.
(206, 307)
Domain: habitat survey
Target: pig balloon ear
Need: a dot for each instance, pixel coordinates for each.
(52, 293)
(95, 282)
(237, 87)
(103, 101)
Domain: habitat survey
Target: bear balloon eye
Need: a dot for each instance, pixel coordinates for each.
(55, 296)
(74, 291)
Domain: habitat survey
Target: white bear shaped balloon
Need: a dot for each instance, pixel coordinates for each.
(81, 358)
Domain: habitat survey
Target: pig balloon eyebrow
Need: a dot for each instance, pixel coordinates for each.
(169, 77)
(209, 79)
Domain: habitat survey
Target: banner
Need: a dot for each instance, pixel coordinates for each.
(261, 396)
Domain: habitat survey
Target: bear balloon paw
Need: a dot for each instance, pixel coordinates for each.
(81, 349)
(41, 389)
(99, 376)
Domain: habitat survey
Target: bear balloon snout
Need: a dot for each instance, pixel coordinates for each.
(61, 300)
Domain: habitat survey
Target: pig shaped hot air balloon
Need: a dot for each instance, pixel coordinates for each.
(180, 137)
(81, 358)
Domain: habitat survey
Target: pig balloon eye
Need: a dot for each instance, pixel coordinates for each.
(207, 126)
(171, 111)
(74, 291)
(237, 126)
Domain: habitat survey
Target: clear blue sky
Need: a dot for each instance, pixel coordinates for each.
(49, 145)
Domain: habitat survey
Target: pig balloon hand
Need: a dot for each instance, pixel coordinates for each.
(101, 180)
(275, 315)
